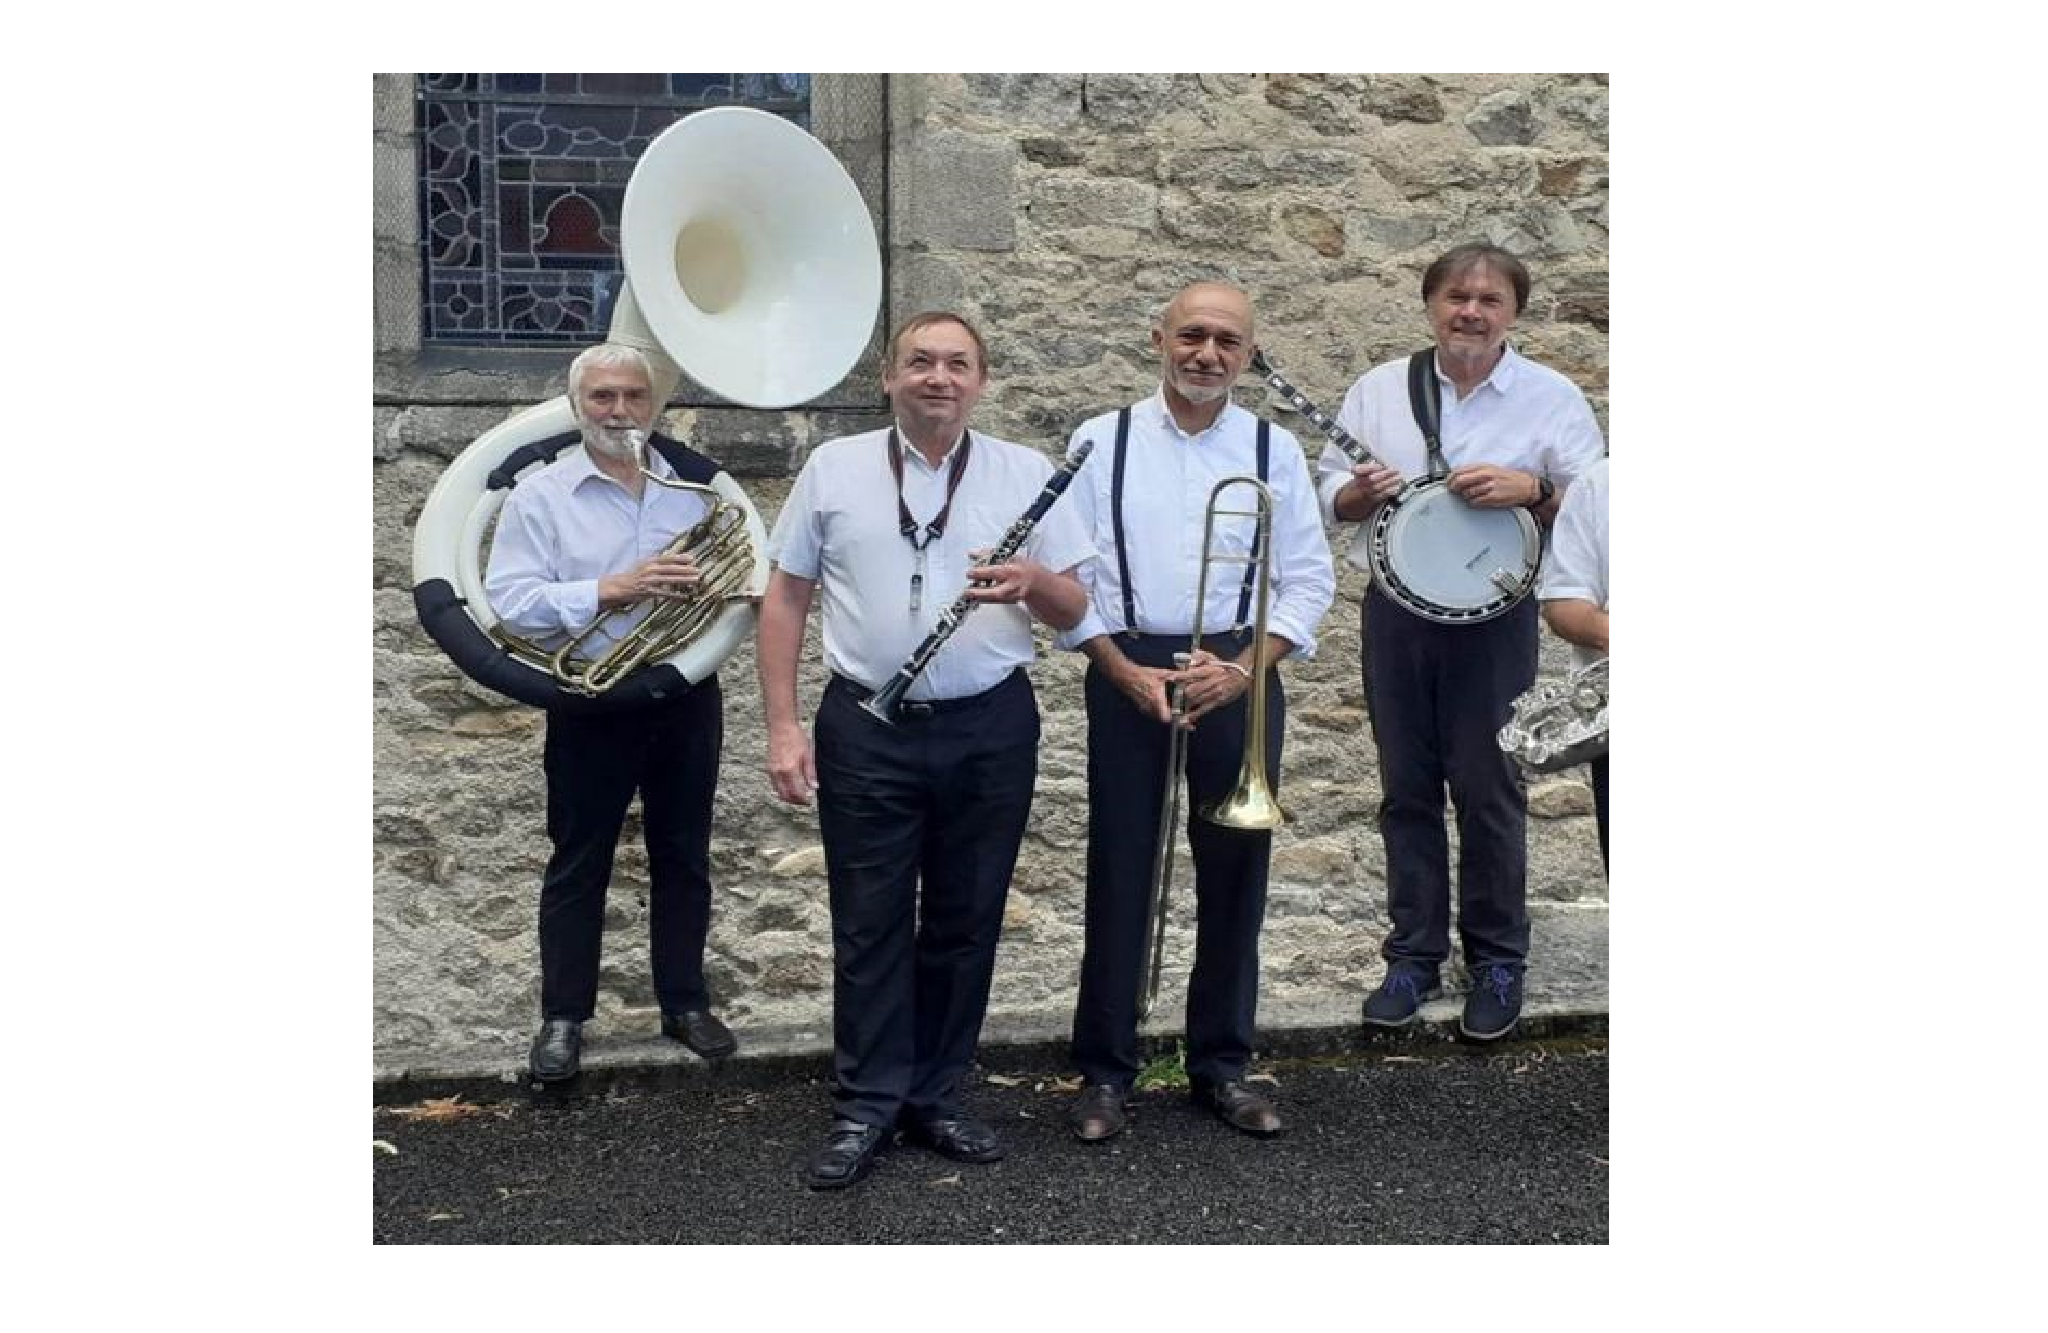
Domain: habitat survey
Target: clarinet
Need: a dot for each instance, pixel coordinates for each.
(883, 703)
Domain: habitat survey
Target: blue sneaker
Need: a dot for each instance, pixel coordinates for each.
(1494, 1005)
(1395, 1003)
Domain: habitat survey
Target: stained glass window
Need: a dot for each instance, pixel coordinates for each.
(521, 181)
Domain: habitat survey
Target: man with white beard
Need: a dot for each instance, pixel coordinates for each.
(580, 537)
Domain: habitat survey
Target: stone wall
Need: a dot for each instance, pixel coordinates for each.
(1060, 212)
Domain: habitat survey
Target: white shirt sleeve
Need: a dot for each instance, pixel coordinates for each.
(1304, 581)
(1333, 469)
(1081, 495)
(1573, 443)
(520, 582)
(1576, 566)
(796, 546)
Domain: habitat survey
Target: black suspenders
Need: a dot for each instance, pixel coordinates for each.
(1116, 510)
(1116, 515)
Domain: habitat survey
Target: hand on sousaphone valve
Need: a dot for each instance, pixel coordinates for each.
(671, 576)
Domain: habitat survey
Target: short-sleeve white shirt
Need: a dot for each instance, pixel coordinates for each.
(1577, 564)
(840, 529)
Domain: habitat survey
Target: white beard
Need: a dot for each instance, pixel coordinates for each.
(1200, 393)
(624, 444)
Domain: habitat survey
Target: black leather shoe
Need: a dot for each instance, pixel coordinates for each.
(1240, 1108)
(962, 1138)
(557, 1051)
(849, 1152)
(700, 1030)
(1098, 1113)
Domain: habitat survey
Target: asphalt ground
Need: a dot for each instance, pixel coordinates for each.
(1392, 1141)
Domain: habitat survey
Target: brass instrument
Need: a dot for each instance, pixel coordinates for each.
(1556, 724)
(750, 259)
(1251, 805)
(724, 551)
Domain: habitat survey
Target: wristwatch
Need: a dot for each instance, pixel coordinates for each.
(1544, 490)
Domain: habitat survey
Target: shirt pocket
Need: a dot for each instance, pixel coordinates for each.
(981, 528)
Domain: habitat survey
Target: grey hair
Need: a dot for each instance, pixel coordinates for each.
(604, 356)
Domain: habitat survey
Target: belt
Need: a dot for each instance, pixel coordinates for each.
(924, 707)
(1238, 636)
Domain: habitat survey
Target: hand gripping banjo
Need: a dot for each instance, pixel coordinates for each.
(1431, 552)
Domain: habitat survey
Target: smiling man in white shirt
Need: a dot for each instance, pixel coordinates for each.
(921, 819)
(1513, 433)
(1143, 496)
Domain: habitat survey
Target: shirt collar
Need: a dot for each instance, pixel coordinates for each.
(1161, 415)
(916, 455)
(583, 467)
(1503, 375)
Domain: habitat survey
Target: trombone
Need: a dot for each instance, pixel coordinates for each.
(1251, 804)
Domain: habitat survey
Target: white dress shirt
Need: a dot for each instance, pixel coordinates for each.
(1577, 564)
(566, 526)
(1524, 416)
(1168, 475)
(840, 529)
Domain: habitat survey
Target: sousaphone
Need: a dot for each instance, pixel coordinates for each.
(750, 261)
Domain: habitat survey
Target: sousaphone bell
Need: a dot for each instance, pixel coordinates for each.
(751, 262)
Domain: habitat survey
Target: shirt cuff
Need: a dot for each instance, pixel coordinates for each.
(1091, 625)
(1304, 642)
(1326, 497)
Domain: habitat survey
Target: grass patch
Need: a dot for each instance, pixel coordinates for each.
(1167, 1070)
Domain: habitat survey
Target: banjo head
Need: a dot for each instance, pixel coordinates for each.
(1447, 561)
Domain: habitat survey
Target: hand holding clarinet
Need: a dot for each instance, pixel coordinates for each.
(999, 578)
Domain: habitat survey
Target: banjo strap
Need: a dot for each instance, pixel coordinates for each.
(1425, 399)
(1116, 512)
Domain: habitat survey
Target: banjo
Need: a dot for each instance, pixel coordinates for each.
(1431, 552)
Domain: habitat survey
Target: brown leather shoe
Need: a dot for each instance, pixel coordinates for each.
(1098, 1113)
(1240, 1108)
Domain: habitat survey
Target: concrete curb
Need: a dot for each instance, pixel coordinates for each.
(660, 1065)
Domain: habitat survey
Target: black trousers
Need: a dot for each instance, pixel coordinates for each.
(669, 754)
(1437, 696)
(1127, 761)
(921, 821)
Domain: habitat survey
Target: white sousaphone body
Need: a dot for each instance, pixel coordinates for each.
(751, 261)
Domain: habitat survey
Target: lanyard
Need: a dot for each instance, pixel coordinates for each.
(937, 527)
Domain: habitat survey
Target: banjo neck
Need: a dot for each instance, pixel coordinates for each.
(1322, 421)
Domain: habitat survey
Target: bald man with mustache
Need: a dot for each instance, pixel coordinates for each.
(1144, 500)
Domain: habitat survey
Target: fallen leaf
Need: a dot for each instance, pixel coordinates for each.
(1067, 1084)
(953, 1179)
(1004, 1080)
(444, 1217)
(1262, 1078)
(381, 1146)
(1400, 1059)
(440, 1108)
